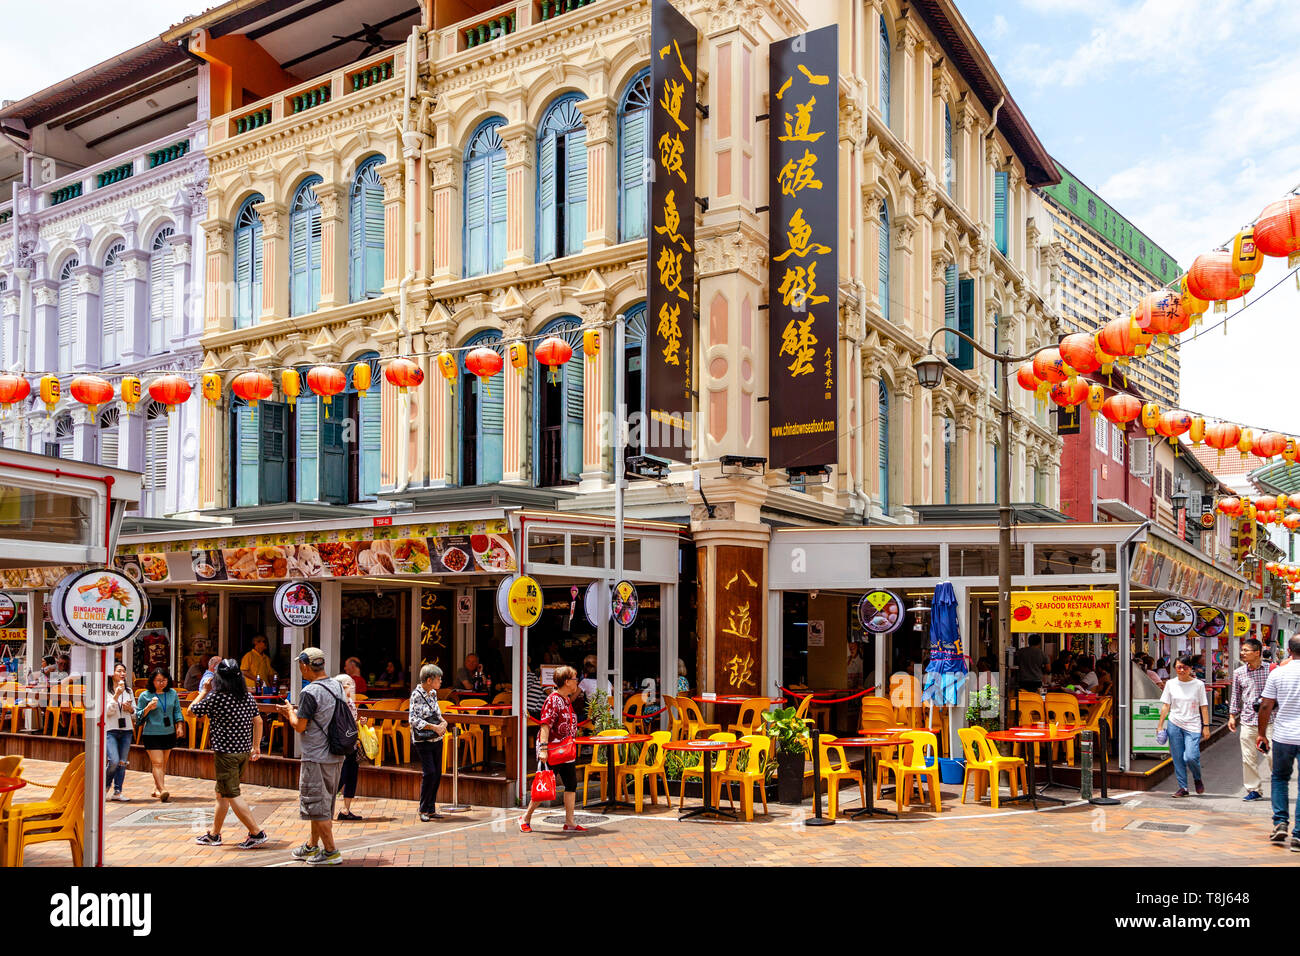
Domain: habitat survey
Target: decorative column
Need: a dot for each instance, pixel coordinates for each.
(9, 327)
(135, 305)
(521, 206)
(45, 326)
(84, 433)
(962, 466)
(908, 116)
(333, 199)
(871, 378)
(442, 408)
(515, 382)
(275, 260)
(218, 304)
(444, 165)
(599, 428)
(390, 175)
(87, 345)
(601, 114)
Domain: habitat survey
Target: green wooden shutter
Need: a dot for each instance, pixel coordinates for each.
(273, 419)
(965, 323)
(951, 343)
(476, 217)
(373, 266)
(308, 471)
(634, 150)
(334, 455)
(884, 71)
(884, 260)
(371, 433)
(575, 191)
(1000, 211)
(882, 446)
(247, 448)
(546, 212)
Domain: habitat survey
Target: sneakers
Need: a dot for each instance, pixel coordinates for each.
(120, 797)
(1200, 786)
(1279, 833)
(1181, 792)
(305, 851)
(257, 839)
(1295, 844)
(524, 827)
(1253, 795)
(426, 817)
(208, 840)
(325, 858)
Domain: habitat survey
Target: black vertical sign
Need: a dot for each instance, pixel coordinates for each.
(803, 264)
(670, 319)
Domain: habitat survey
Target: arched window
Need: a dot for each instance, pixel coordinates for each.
(67, 313)
(109, 433)
(482, 418)
(366, 233)
(248, 263)
(559, 412)
(154, 486)
(61, 445)
(304, 249)
(884, 71)
(634, 157)
(485, 200)
(885, 251)
(882, 446)
(561, 180)
(160, 289)
(112, 302)
(634, 381)
(949, 173)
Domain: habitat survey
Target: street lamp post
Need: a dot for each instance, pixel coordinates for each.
(929, 372)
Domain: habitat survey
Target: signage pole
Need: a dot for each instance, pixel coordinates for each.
(94, 703)
(620, 483)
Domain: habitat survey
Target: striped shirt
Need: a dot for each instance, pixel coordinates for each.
(1247, 688)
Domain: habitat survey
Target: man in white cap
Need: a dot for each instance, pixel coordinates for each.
(318, 774)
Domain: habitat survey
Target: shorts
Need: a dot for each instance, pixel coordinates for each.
(318, 783)
(229, 768)
(567, 774)
(158, 741)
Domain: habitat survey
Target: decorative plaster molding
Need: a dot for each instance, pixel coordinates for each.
(88, 283)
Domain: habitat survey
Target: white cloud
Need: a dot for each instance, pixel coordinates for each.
(1000, 27)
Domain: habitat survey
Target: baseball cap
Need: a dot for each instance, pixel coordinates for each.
(312, 655)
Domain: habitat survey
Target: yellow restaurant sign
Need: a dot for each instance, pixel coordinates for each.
(1240, 624)
(525, 601)
(1063, 612)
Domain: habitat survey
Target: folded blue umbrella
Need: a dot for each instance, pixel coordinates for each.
(945, 674)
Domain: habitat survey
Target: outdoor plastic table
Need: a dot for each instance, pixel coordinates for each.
(8, 784)
(1030, 735)
(868, 743)
(610, 804)
(708, 748)
(485, 765)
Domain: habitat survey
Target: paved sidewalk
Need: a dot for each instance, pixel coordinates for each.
(147, 833)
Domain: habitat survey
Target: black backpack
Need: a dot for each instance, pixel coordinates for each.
(342, 729)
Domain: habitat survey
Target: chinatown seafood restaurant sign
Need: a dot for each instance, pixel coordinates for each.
(99, 607)
(670, 318)
(803, 264)
(1063, 612)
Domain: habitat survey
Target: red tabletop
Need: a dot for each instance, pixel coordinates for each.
(864, 742)
(11, 783)
(607, 741)
(702, 746)
(729, 699)
(1029, 735)
(462, 708)
(903, 730)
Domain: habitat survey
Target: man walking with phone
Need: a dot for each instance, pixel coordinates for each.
(1280, 704)
(1243, 708)
(319, 769)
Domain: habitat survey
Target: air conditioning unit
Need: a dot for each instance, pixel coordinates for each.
(1139, 456)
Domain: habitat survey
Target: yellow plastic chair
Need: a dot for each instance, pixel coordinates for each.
(750, 719)
(716, 771)
(649, 766)
(1101, 711)
(633, 708)
(1032, 711)
(10, 693)
(10, 766)
(72, 778)
(904, 693)
(695, 722)
(835, 769)
(909, 769)
(192, 724)
(600, 766)
(982, 758)
(754, 774)
(876, 713)
(1064, 709)
(801, 712)
(63, 826)
(471, 735)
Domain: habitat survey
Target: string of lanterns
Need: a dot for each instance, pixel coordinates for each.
(1287, 571)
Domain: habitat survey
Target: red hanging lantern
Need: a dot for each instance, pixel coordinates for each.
(484, 362)
(1294, 502)
(13, 389)
(91, 390)
(326, 381)
(1155, 313)
(1222, 436)
(1026, 378)
(1232, 507)
(554, 352)
(1048, 366)
(1121, 409)
(1172, 424)
(1213, 278)
(404, 374)
(252, 387)
(1080, 353)
(1277, 231)
(1116, 338)
(1070, 393)
(1268, 445)
(170, 390)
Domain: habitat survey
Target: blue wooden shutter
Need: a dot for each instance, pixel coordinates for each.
(575, 191)
(476, 217)
(634, 150)
(884, 71)
(256, 291)
(1000, 211)
(243, 278)
(884, 260)
(951, 343)
(247, 449)
(314, 257)
(965, 323)
(546, 226)
(949, 174)
(373, 265)
(273, 419)
(882, 446)
(491, 430)
(299, 250)
(356, 245)
(333, 456)
(308, 478)
(371, 432)
(497, 211)
(573, 411)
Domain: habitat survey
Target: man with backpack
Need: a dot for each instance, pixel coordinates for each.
(326, 733)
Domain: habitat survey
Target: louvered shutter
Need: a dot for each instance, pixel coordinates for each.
(633, 153)
(1000, 211)
(491, 431)
(314, 259)
(155, 468)
(108, 446)
(373, 264)
(308, 477)
(884, 71)
(160, 296)
(111, 311)
(573, 411)
(371, 434)
(884, 251)
(299, 265)
(546, 199)
(882, 446)
(272, 417)
(575, 191)
(497, 211)
(247, 449)
(356, 245)
(476, 217)
(243, 278)
(256, 296)
(948, 171)
(67, 322)
(965, 323)
(334, 454)
(951, 343)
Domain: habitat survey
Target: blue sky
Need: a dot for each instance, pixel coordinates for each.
(1185, 116)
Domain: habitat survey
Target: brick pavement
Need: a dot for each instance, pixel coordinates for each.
(961, 835)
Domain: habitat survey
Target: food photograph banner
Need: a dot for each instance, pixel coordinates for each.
(803, 262)
(1063, 612)
(670, 318)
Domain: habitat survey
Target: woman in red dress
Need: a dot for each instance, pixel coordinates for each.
(559, 723)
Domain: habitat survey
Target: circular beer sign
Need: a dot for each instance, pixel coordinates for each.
(881, 612)
(8, 610)
(525, 601)
(296, 604)
(1174, 618)
(99, 607)
(624, 602)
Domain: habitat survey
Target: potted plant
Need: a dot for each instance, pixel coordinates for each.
(983, 708)
(792, 743)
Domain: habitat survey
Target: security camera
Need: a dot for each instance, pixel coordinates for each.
(813, 595)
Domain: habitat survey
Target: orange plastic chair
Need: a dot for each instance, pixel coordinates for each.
(649, 767)
(910, 769)
(983, 758)
(10, 693)
(1064, 709)
(1032, 711)
(600, 766)
(10, 766)
(876, 713)
(904, 693)
(1101, 711)
(750, 719)
(63, 826)
(835, 769)
(695, 722)
(72, 778)
(471, 735)
(633, 708)
(754, 774)
(716, 771)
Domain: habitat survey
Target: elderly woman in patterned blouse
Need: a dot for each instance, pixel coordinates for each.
(427, 729)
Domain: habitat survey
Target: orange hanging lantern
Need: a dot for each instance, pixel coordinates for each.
(591, 343)
(170, 390)
(13, 389)
(518, 356)
(252, 387)
(1026, 378)
(1141, 338)
(403, 374)
(211, 385)
(1172, 424)
(1048, 365)
(1232, 507)
(91, 390)
(484, 362)
(1291, 522)
(554, 352)
(291, 385)
(449, 369)
(1096, 396)
(50, 391)
(1268, 445)
(326, 381)
(1294, 502)
(1246, 442)
(1080, 353)
(1116, 338)
(1196, 432)
(1246, 257)
(1070, 393)
(361, 378)
(1222, 436)
(1121, 409)
(1150, 418)
(1213, 278)
(1155, 313)
(129, 389)
(1277, 231)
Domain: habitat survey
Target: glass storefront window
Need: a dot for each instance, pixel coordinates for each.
(981, 560)
(904, 561)
(546, 547)
(1072, 559)
(27, 514)
(587, 551)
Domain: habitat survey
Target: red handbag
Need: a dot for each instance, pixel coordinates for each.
(566, 751)
(543, 786)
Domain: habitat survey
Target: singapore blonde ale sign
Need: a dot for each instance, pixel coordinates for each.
(99, 607)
